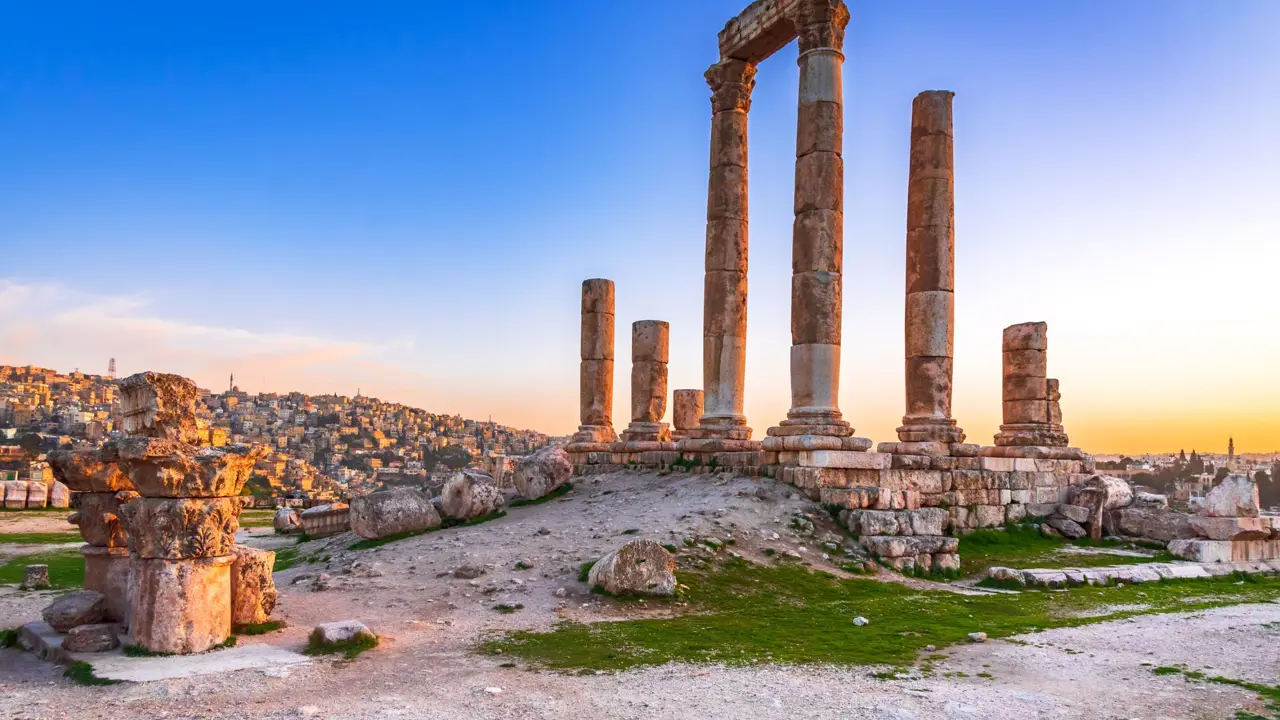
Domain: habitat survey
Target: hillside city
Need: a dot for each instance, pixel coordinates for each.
(323, 447)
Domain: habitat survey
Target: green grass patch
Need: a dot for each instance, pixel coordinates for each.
(287, 558)
(584, 570)
(350, 649)
(82, 673)
(9, 638)
(1167, 670)
(740, 613)
(66, 568)
(257, 518)
(557, 493)
(260, 628)
(506, 609)
(40, 538)
(1022, 546)
(1269, 695)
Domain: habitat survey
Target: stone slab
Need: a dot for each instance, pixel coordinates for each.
(845, 459)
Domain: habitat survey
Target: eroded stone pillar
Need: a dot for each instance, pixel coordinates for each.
(596, 388)
(686, 411)
(650, 349)
(818, 231)
(725, 291)
(1032, 414)
(930, 305)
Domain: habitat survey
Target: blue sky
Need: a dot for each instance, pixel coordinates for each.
(404, 197)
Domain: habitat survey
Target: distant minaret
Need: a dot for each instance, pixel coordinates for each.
(231, 384)
(1231, 451)
(111, 369)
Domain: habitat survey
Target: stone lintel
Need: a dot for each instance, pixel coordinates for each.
(1044, 452)
(762, 29)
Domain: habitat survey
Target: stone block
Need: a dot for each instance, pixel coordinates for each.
(37, 495)
(998, 464)
(99, 637)
(166, 468)
(1235, 496)
(1015, 513)
(99, 518)
(83, 607)
(35, 577)
(872, 522)
(845, 459)
(253, 588)
(816, 301)
(817, 242)
(59, 495)
(106, 571)
(15, 494)
(927, 521)
(1025, 388)
(1025, 363)
(1026, 336)
(1231, 528)
(687, 409)
(181, 606)
(87, 471)
(597, 296)
(597, 336)
(819, 182)
(1074, 512)
(914, 462)
(399, 510)
(987, 516)
(930, 321)
(909, 546)
(159, 405)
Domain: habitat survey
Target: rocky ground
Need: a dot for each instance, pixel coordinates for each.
(421, 596)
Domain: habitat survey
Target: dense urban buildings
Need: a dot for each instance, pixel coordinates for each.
(323, 447)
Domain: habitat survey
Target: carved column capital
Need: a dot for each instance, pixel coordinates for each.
(821, 24)
(731, 84)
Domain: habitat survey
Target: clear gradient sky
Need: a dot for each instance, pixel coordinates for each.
(403, 197)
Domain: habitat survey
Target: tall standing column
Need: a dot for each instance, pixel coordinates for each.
(930, 306)
(724, 321)
(650, 349)
(596, 388)
(818, 232)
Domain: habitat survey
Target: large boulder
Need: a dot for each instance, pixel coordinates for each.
(542, 472)
(286, 521)
(1149, 522)
(466, 497)
(1235, 496)
(641, 567)
(340, 631)
(83, 607)
(380, 514)
(253, 589)
(1069, 528)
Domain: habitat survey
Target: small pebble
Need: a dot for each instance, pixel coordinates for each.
(978, 637)
(860, 621)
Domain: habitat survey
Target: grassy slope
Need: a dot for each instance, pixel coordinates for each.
(744, 613)
(1023, 547)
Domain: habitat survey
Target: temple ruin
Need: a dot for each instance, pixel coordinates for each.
(906, 495)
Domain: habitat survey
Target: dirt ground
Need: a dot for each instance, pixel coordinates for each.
(431, 620)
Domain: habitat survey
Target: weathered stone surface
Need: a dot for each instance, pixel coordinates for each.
(37, 495)
(1225, 551)
(465, 498)
(1026, 336)
(871, 522)
(1231, 528)
(325, 520)
(286, 521)
(388, 512)
(181, 528)
(641, 567)
(180, 606)
(159, 405)
(1074, 513)
(1115, 492)
(1025, 363)
(1069, 528)
(687, 410)
(83, 607)
(106, 570)
(900, 546)
(542, 472)
(253, 589)
(87, 471)
(100, 519)
(168, 469)
(340, 631)
(35, 577)
(99, 637)
(15, 494)
(1235, 496)
(59, 495)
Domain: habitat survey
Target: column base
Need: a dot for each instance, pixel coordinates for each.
(930, 430)
(592, 438)
(823, 422)
(1041, 434)
(802, 443)
(181, 606)
(647, 432)
(106, 570)
(930, 449)
(720, 427)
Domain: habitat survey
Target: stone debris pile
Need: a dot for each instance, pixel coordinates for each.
(1230, 527)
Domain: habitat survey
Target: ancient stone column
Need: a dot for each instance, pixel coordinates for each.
(930, 306)
(725, 291)
(686, 412)
(650, 348)
(1032, 415)
(818, 232)
(596, 388)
